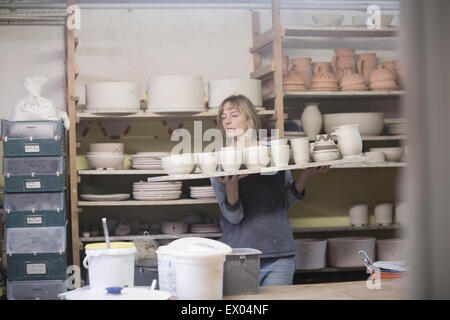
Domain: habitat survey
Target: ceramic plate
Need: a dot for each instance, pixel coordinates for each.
(105, 197)
(152, 198)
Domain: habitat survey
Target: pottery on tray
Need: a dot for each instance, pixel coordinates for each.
(349, 140)
(377, 156)
(179, 164)
(343, 251)
(231, 158)
(325, 155)
(370, 123)
(256, 157)
(208, 162)
(311, 254)
(300, 150)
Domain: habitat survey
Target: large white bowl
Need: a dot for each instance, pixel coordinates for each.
(175, 93)
(108, 160)
(328, 19)
(219, 90)
(107, 147)
(393, 154)
(179, 164)
(113, 96)
(370, 123)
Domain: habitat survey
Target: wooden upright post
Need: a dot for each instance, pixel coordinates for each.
(70, 101)
(278, 75)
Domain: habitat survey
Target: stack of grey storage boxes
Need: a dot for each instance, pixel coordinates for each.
(35, 206)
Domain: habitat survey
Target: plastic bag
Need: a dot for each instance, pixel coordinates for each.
(34, 107)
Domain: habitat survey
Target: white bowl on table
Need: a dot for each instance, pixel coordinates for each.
(328, 19)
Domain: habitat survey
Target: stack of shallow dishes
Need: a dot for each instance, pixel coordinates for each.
(148, 160)
(106, 156)
(153, 191)
(325, 149)
(205, 228)
(395, 126)
(204, 192)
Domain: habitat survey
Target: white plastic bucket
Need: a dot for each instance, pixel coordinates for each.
(199, 268)
(110, 267)
(166, 271)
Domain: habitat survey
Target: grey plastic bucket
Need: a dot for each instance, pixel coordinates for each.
(241, 272)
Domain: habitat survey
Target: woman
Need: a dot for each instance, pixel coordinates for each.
(254, 206)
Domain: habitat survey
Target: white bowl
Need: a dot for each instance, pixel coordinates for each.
(377, 156)
(99, 161)
(257, 157)
(231, 158)
(370, 123)
(325, 155)
(178, 164)
(393, 154)
(107, 147)
(207, 161)
(328, 19)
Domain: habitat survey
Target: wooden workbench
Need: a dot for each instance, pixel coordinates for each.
(356, 290)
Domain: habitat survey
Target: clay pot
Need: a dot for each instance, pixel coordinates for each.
(365, 64)
(390, 65)
(323, 66)
(293, 82)
(352, 80)
(323, 79)
(303, 67)
(342, 60)
(312, 120)
(382, 79)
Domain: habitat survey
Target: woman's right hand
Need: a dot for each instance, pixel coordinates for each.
(231, 179)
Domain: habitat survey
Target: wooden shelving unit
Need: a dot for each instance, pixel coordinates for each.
(152, 237)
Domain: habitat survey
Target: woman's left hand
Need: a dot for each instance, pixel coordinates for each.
(306, 174)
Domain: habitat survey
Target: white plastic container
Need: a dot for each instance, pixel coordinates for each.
(199, 266)
(113, 267)
(166, 271)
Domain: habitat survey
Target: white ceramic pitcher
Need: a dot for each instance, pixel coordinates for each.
(349, 140)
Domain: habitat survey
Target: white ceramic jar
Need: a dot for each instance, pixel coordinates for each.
(280, 155)
(349, 140)
(300, 150)
(359, 214)
(257, 157)
(231, 158)
(207, 162)
(311, 120)
(383, 213)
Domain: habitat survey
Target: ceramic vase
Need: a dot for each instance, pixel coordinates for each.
(303, 67)
(312, 120)
(366, 63)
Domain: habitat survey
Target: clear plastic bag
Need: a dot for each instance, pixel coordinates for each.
(34, 107)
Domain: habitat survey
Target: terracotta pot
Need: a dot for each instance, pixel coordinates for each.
(303, 67)
(323, 66)
(343, 59)
(386, 85)
(390, 65)
(366, 63)
(293, 78)
(323, 79)
(294, 87)
(381, 74)
(356, 87)
(350, 79)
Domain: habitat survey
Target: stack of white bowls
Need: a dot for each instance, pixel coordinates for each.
(179, 163)
(106, 156)
(154, 191)
(203, 192)
(148, 160)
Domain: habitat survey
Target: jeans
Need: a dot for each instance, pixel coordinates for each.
(277, 271)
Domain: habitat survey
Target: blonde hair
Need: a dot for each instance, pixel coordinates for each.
(242, 104)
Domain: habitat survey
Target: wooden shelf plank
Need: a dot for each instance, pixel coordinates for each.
(142, 115)
(263, 40)
(152, 236)
(120, 172)
(338, 31)
(263, 73)
(145, 203)
(335, 94)
(348, 228)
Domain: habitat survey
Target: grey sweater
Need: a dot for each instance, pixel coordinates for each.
(258, 220)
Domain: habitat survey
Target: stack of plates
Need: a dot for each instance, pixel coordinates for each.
(205, 192)
(148, 160)
(205, 228)
(153, 191)
(395, 126)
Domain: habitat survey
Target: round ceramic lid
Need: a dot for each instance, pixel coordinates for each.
(135, 293)
(198, 248)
